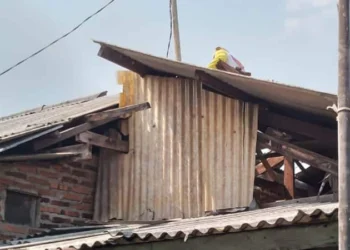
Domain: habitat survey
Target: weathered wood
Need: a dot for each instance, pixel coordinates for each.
(287, 237)
(103, 141)
(289, 124)
(225, 88)
(34, 157)
(129, 63)
(313, 199)
(46, 142)
(295, 152)
(83, 150)
(265, 163)
(116, 113)
(274, 162)
(289, 180)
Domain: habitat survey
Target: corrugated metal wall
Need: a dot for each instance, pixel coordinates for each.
(192, 151)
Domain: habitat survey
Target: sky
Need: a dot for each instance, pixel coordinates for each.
(290, 41)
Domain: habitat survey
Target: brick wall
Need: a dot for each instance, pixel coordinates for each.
(66, 193)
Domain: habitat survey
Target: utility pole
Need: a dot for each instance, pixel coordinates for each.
(176, 30)
(344, 126)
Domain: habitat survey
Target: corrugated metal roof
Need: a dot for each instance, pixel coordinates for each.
(281, 95)
(48, 116)
(295, 214)
(193, 151)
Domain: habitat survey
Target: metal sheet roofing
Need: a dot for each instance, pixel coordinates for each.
(281, 95)
(295, 214)
(46, 117)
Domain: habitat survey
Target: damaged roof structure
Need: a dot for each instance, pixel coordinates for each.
(286, 127)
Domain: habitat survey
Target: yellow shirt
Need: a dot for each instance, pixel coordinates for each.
(220, 54)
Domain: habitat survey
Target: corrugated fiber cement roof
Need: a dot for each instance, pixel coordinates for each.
(295, 214)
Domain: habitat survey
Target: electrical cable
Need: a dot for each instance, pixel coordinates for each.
(171, 28)
(57, 40)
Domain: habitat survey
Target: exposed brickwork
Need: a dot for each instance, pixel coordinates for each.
(66, 194)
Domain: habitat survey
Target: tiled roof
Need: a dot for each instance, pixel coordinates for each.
(49, 116)
(294, 214)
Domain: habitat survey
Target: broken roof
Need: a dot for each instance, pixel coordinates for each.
(102, 235)
(274, 94)
(48, 117)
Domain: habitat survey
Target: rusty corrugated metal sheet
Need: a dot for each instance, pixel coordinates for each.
(293, 214)
(192, 151)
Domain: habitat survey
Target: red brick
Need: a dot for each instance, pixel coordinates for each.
(81, 190)
(86, 216)
(83, 207)
(27, 169)
(60, 203)
(13, 229)
(61, 169)
(88, 199)
(6, 181)
(60, 220)
(72, 214)
(63, 187)
(72, 197)
(45, 217)
(52, 210)
(49, 226)
(54, 184)
(24, 186)
(47, 192)
(39, 181)
(44, 200)
(69, 180)
(90, 184)
(80, 173)
(16, 175)
(48, 174)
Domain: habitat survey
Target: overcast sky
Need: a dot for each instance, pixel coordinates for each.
(290, 41)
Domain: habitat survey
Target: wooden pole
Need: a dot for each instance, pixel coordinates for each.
(344, 126)
(176, 30)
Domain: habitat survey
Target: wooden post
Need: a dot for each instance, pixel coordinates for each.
(176, 31)
(344, 126)
(289, 181)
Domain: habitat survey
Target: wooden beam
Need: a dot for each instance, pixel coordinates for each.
(83, 150)
(274, 162)
(289, 124)
(289, 181)
(49, 141)
(289, 150)
(116, 57)
(270, 173)
(103, 141)
(116, 113)
(225, 88)
(313, 199)
(37, 157)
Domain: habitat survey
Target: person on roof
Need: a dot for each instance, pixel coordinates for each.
(223, 60)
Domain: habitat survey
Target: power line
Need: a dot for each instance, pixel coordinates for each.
(57, 40)
(171, 27)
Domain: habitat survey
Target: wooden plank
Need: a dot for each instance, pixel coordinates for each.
(287, 149)
(83, 150)
(274, 162)
(289, 172)
(103, 141)
(225, 88)
(116, 113)
(36, 157)
(289, 124)
(269, 170)
(313, 199)
(49, 141)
